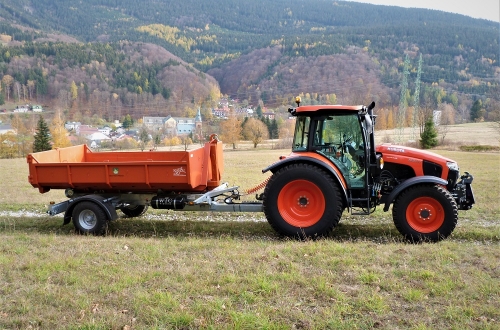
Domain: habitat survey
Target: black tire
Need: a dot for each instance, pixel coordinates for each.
(302, 201)
(425, 213)
(133, 211)
(89, 218)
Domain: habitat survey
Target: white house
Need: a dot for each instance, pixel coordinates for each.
(73, 126)
(105, 130)
(21, 109)
(95, 139)
(37, 108)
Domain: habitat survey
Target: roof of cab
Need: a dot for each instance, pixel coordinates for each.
(337, 107)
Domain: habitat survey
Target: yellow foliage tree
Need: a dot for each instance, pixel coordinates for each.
(7, 81)
(59, 134)
(256, 131)
(73, 90)
(390, 119)
(231, 130)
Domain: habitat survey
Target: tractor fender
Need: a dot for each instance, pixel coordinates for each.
(410, 182)
(103, 203)
(301, 159)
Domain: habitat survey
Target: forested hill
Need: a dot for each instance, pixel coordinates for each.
(273, 49)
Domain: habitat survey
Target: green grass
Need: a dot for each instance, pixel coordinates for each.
(174, 270)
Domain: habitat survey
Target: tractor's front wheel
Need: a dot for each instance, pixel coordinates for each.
(302, 201)
(425, 213)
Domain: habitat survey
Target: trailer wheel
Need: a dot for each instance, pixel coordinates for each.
(425, 213)
(303, 201)
(89, 218)
(133, 211)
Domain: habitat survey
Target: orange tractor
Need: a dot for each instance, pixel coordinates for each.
(334, 165)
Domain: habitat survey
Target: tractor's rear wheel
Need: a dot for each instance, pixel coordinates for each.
(132, 211)
(425, 213)
(302, 201)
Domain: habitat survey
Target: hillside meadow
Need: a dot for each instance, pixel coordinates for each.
(174, 270)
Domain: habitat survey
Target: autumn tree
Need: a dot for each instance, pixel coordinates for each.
(7, 81)
(31, 88)
(390, 119)
(186, 141)
(73, 91)
(59, 134)
(446, 119)
(8, 145)
(231, 130)
(171, 142)
(255, 131)
(156, 140)
(126, 143)
(144, 137)
(24, 138)
(42, 136)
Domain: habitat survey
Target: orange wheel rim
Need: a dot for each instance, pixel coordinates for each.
(301, 203)
(425, 215)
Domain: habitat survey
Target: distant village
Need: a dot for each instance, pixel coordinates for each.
(168, 126)
(116, 132)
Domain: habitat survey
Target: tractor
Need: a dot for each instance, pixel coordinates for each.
(335, 165)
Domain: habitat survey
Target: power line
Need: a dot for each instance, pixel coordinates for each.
(402, 100)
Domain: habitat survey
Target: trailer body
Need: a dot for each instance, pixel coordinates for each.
(99, 183)
(80, 169)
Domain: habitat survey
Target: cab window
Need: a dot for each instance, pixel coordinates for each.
(340, 139)
(301, 136)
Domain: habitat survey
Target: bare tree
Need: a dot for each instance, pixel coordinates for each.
(17, 88)
(446, 119)
(31, 88)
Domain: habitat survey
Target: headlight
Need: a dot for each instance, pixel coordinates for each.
(453, 166)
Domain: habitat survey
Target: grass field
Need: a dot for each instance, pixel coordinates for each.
(174, 270)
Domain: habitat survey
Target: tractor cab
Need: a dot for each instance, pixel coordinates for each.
(344, 136)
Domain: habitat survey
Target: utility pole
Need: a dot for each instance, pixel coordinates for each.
(416, 102)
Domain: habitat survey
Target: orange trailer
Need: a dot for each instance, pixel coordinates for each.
(99, 183)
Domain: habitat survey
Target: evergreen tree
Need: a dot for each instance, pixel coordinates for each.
(475, 111)
(274, 129)
(42, 136)
(259, 111)
(127, 122)
(428, 138)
